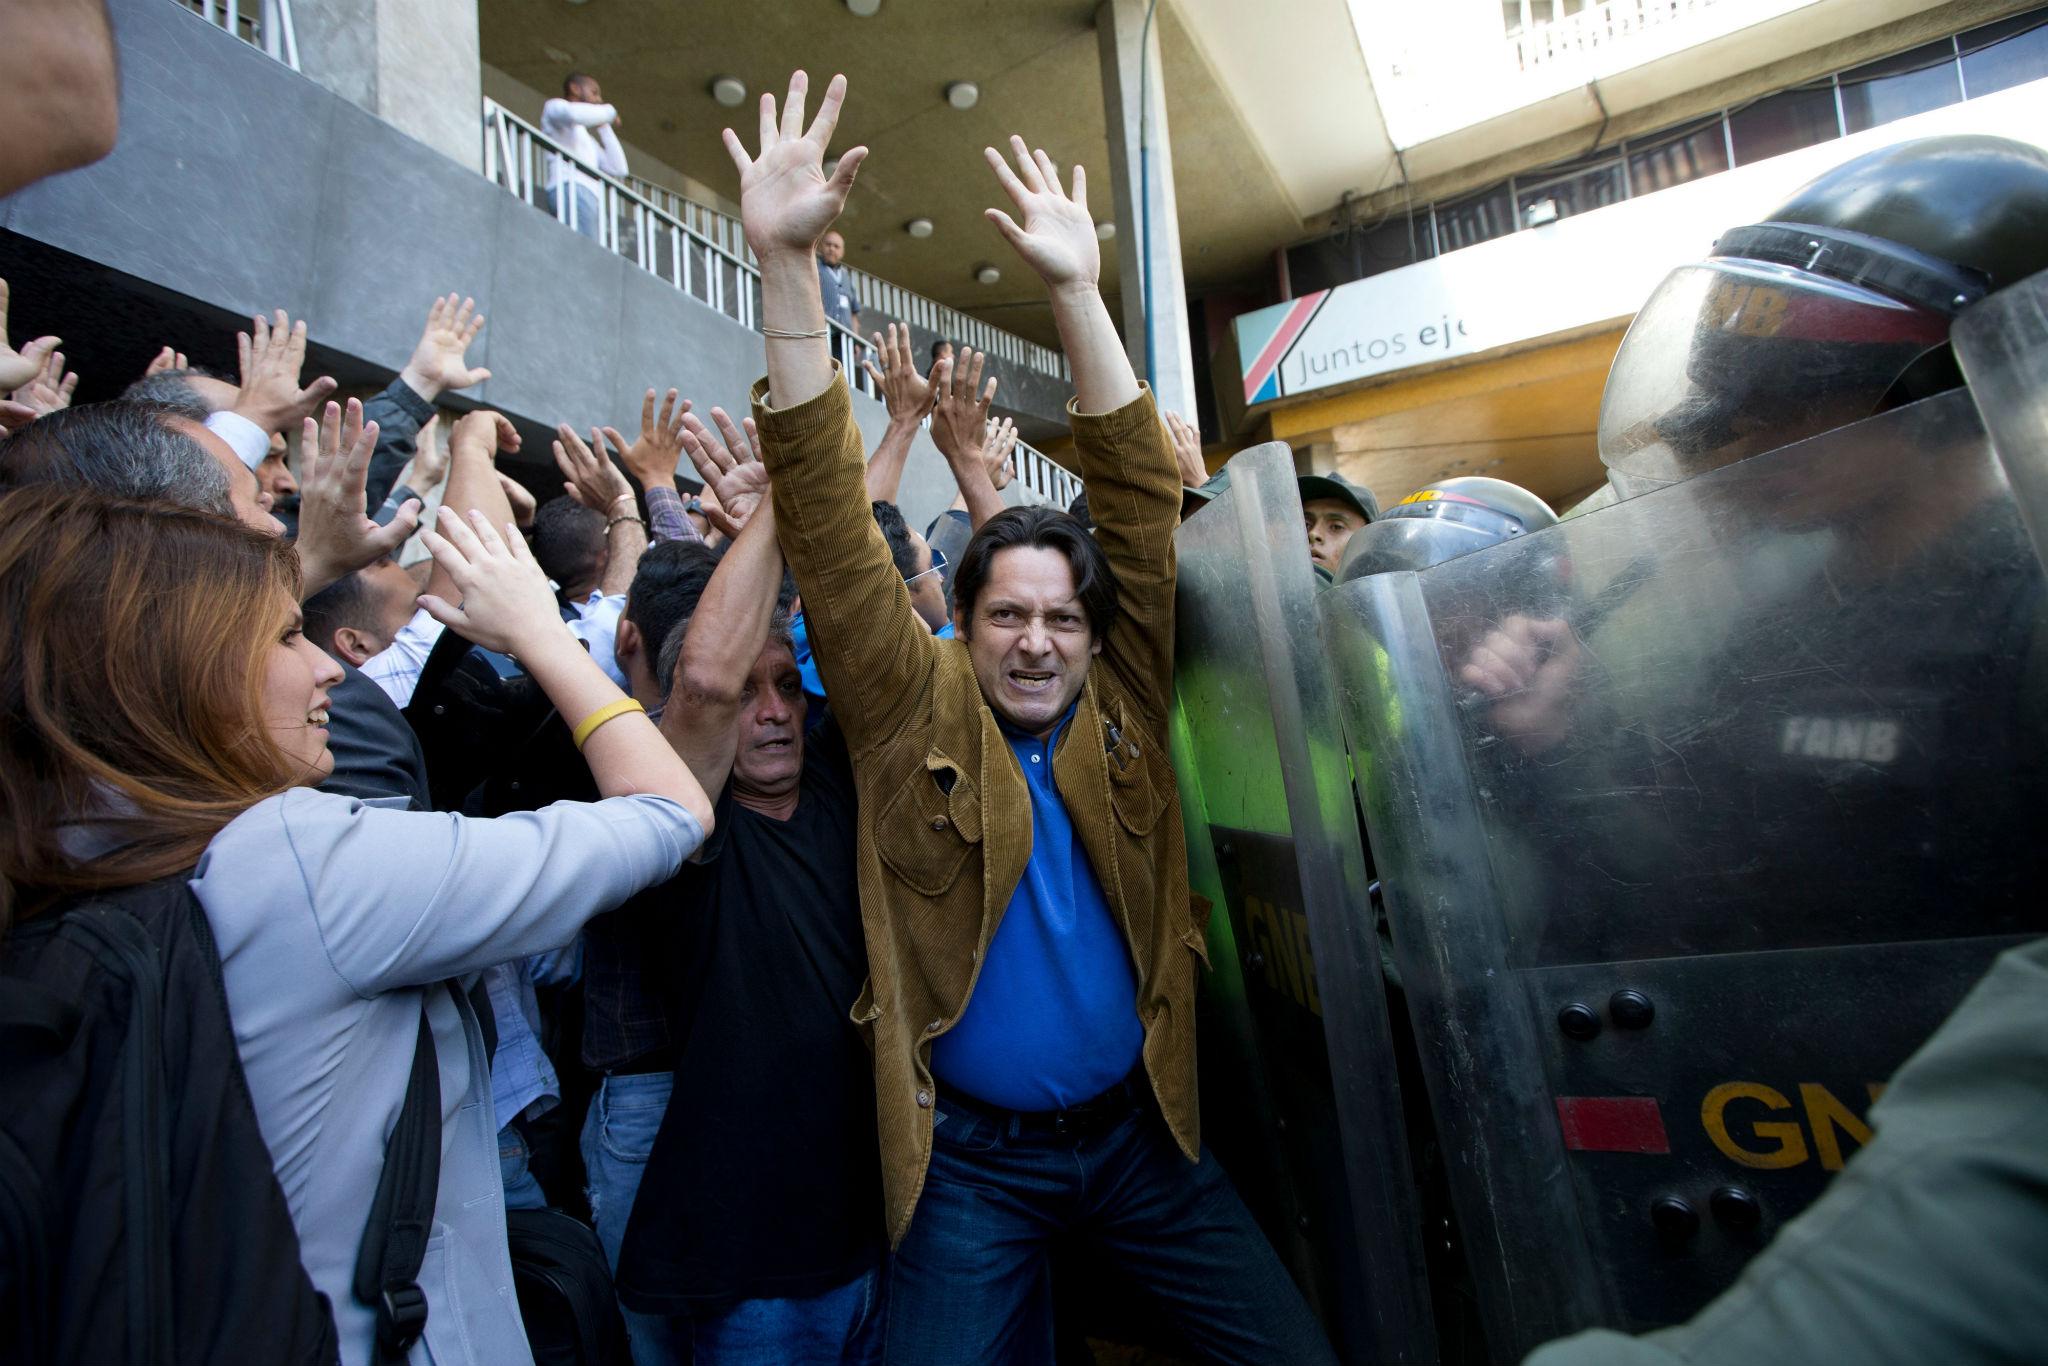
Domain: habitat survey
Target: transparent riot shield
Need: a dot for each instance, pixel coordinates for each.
(1274, 844)
(2002, 344)
(1694, 816)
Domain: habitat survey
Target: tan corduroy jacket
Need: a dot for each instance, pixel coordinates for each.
(945, 813)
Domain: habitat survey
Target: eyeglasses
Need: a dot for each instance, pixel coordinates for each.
(938, 564)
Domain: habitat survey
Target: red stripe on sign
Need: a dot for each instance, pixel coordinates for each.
(1612, 1124)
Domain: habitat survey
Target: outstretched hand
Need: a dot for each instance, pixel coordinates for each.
(786, 200)
(653, 458)
(960, 415)
(18, 368)
(1187, 450)
(504, 602)
(272, 355)
(170, 358)
(336, 536)
(51, 389)
(735, 481)
(907, 394)
(998, 451)
(1057, 238)
(590, 476)
(438, 363)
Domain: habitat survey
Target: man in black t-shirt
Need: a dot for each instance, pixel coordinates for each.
(758, 1225)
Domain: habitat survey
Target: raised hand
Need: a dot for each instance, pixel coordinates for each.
(1058, 238)
(786, 201)
(503, 599)
(592, 479)
(336, 536)
(51, 389)
(653, 458)
(908, 395)
(997, 451)
(523, 503)
(429, 458)
(1187, 451)
(272, 354)
(18, 368)
(483, 433)
(735, 481)
(960, 412)
(167, 359)
(437, 363)
(14, 416)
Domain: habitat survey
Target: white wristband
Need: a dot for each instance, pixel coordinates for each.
(248, 441)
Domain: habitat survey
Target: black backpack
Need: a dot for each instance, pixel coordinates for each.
(141, 1222)
(565, 1291)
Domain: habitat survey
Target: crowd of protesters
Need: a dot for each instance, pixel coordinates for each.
(794, 895)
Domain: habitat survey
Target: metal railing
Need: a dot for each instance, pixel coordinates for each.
(875, 293)
(266, 24)
(698, 260)
(1040, 480)
(1598, 26)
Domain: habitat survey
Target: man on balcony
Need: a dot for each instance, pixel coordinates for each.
(584, 125)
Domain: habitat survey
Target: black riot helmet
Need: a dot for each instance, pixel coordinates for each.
(1835, 307)
(1441, 521)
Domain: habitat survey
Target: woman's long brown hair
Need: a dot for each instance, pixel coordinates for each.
(133, 642)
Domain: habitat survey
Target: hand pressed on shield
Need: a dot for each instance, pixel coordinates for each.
(336, 536)
(735, 481)
(272, 355)
(503, 601)
(1526, 665)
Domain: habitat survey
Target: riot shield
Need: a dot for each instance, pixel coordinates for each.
(2002, 345)
(1274, 843)
(1761, 805)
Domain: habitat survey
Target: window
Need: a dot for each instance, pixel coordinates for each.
(1675, 157)
(1574, 192)
(1366, 249)
(2008, 53)
(1474, 219)
(1910, 83)
(1784, 122)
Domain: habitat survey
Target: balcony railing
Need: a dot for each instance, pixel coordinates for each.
(901, 304)
(266, 24)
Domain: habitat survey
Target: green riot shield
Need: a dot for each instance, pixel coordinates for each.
(1274, 845)
(1695, 815)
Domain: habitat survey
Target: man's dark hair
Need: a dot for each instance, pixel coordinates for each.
(666, 587)
(938, 346)
(1045, 528)
(130, 450)
(170, 389)
(896, 532)
(574, 79)
(345, 602)
(568, 541)
(1078, 510)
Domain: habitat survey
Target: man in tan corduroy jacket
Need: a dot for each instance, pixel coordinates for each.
(1032, 952)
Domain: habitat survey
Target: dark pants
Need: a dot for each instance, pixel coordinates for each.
(970, 1281)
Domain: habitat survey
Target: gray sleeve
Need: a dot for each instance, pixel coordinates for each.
(399, 414)
(404, 898)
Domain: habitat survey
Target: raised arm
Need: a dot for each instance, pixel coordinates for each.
(730, 626)
(595, 482)
(336, 536)
(575, 111)
(473, 486)
(1126, 464)
(908, 396)
(437, 365)
(875, 655)
(960, 431)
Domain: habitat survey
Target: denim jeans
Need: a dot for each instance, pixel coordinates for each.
(841, 1325)
(970, 1281)
(584, 208)
(618, 1134)
(521, 1190)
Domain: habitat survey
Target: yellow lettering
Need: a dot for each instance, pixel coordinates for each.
(1311, 995)
(1824, 1114)
(1791, 1149)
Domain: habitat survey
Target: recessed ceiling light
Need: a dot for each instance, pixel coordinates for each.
(963, 94)
(729, 91)
(863, 9)
(556, 54)
(988, 275)
(919, 227)
(1105, 230)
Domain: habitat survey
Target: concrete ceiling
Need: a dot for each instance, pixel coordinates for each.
(1039, 71)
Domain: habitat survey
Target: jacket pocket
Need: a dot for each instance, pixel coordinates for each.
(1139, 783)
(926, 831)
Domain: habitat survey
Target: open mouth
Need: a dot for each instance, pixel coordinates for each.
(775, 746)
(1032, 680)
(317, 717)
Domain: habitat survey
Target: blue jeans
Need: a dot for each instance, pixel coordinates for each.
(970, 1281)
(842, 1325)
(521, 1190)
(618, 1134)
(583, 208)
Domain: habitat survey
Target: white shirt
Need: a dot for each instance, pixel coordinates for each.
(597, 626)
(585, 132)
(396, 669)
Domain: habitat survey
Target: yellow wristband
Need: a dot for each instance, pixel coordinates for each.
(590, 723)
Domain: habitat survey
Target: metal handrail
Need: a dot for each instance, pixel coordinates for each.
(1596, 26)
(696, 260)
(267, 26)
(899, 303)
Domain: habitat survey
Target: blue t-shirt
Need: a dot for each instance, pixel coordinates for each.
(1054, 1016)
(807, 660)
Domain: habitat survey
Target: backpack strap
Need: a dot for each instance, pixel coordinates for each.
(402, 1215)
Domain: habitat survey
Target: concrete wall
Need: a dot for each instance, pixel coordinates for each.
(240, 185)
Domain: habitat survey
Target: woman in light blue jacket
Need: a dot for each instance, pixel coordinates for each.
(335, 919)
